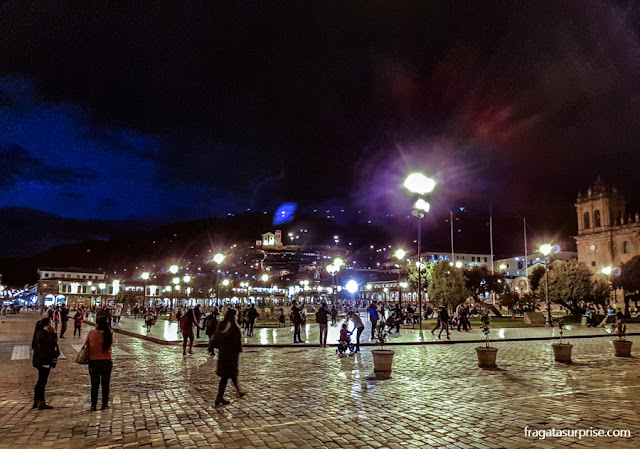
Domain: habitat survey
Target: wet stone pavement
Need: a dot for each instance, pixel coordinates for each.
(311, 398)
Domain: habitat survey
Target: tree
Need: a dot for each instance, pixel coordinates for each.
(126, 298)
(569, 282)
(629, 281)
(480, 282)
(447, 285)
(510, 300)
(413, 278)
(535, 276)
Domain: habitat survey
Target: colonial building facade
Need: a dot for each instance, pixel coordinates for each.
(607, 234)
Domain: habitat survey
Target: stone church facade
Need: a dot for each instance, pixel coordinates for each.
(607, 234)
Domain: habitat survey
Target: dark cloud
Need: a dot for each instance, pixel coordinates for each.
(16, 164)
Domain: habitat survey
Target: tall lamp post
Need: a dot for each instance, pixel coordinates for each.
(546, 250)
(333, 270)
(419, 184)
(608, 271)
(399, 254)
(218, 258)
(145, 276)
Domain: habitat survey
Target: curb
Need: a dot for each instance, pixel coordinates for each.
(315, 345)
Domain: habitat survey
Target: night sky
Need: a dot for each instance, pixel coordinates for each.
(182, 110)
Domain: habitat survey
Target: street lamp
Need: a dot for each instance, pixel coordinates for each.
(173, 269)
(419, 184)
(218, 258)
(399, 254)
(333, 270)
(145, 276)
(608, 271)
(545, 250)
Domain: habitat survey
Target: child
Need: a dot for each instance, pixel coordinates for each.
(344, 334)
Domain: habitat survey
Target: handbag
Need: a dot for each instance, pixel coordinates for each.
(83, 355)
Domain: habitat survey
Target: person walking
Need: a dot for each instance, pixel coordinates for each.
(197, 313)
(55, 317)
(322, 318)
(358, 326)
(250, 317)
(443, 319)
(373, 317)
(45, 356)
(78, 318)
(210, 325)
(228, 337)
(334, 315)
(64, 316)
(148, 320)
(187, 323)
(296, 318)
(99, 341)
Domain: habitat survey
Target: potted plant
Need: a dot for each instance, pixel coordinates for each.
(382, 358)
(486, 353)
(561, 351)
(621, 346)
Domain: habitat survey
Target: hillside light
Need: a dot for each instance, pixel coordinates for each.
(264, 277)
(225, 282)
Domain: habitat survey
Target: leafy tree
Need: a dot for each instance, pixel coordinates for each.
(510, 300)
(629, 281)
(127, 298)
(447, 285)
(569, 282)
(480, 282)
(535, 276)
(600, 292)
(529, 300)
(413, 278)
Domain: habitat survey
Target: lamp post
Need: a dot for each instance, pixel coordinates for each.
(264, 278)
(419, 184)
(333, 270)
(546, 250)
(608, 271)
(218, 258)
(399, 254)
(145, 277)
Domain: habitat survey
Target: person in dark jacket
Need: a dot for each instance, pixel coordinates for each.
(251, 316)
(322, 318)
(443, 319)
(187, 323)
(296, 318)
(197, 313)
(64, 317)
(228, 338)
(45, 356)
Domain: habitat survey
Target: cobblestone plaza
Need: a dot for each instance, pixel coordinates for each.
(307, 397)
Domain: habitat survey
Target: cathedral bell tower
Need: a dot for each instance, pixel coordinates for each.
(600, 209)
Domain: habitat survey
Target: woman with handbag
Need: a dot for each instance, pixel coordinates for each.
(45, 356)
(99, 342)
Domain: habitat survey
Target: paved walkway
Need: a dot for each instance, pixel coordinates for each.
(310, 398)
(168, 331)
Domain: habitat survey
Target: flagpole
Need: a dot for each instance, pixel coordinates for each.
(451, 220)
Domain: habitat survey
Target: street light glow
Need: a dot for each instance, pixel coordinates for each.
(338, 262)
(422, 205)
(265, 277)
(176, 280)
(502, 266)
(458, 264)
(546, 249)
(400, 253)
(173, 269)
(219, 258)
(186, 279)
(145, 275)
(225, 282)
(607, 270)
(418, 182)
(352, 286)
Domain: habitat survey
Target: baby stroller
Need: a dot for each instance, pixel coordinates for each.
(345, 346)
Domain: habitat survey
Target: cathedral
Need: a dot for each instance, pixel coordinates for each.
(607, 235)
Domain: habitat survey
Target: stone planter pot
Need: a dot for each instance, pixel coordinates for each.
(562, 352)
(382, 361)
(622, 348)
(486, 357)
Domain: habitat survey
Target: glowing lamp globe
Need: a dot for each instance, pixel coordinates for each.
(422, 206)
(418, 182)
(546, 249)
(219, 258)
(400, 253)
(352, 286)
